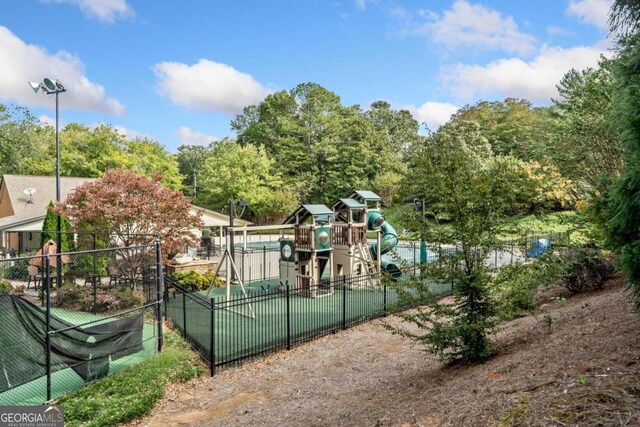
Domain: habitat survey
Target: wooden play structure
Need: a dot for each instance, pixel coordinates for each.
(319, 245)
(329, 243)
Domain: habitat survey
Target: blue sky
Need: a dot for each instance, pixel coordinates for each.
(179, 71)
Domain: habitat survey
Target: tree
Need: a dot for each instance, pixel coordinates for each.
(397, 132)
(586, 148)
(151, 158)
(133, 209)
(512, 126)
(622, 197)
(191, 160)
(50, 229)
(469, 189)
(234, 172)
(24, 144)
(88, 152)
(323, 148)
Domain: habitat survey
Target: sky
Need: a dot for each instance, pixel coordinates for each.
(179, 71)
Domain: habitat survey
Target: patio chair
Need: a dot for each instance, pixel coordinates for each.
(34, 276)
(114, 274)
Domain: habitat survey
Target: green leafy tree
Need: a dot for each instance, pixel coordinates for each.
(234, 172)
(151, 158)
(469, 189)
(323, 149)
(512, 126)
(88, 152)
(191, 160)
(586, 148)
(24, 143)
(396, 132)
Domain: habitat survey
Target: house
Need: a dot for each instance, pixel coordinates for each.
(23, 206)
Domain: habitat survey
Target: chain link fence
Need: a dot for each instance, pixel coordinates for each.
(71, 318)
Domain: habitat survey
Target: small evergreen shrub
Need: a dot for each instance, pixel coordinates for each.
(5, 287)
(586, 268)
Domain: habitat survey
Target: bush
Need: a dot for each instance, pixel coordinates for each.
(195, 281)
(516, 284)
(108, 300)
(586, 268)
(5, 287)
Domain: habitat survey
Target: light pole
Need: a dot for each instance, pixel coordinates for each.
(51, 87)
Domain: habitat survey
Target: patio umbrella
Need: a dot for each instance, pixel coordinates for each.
(49, 248)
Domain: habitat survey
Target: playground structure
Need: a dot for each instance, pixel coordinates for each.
(318, 245)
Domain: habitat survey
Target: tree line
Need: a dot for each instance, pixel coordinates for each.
(304, 146)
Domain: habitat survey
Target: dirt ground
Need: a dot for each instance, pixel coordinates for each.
(577, 365)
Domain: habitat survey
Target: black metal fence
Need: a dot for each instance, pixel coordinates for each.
(71, 318)
(226, 331)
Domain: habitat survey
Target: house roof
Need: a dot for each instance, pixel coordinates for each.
(45, 191)
(29, 215)
(26, 221)
(218, 219)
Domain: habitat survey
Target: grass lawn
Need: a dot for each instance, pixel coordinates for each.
(132, 392)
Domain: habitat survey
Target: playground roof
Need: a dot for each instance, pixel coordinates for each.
(366, 195)
(319, 212)
(349, 203)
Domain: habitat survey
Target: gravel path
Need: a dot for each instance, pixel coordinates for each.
(367, 377)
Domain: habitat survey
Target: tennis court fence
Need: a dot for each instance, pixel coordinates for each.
(71, 318)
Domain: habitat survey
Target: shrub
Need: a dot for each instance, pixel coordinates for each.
(195, 281)
(108, 300)
(586, 268)
(516, 284)
(5, 287)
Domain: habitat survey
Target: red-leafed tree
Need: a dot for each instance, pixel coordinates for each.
(133, 209)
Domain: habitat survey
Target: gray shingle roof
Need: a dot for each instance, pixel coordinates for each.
(45, 187)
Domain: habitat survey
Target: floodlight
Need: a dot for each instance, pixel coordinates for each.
(50, 85)
(35, 86)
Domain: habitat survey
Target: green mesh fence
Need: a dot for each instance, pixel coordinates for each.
(100, 316)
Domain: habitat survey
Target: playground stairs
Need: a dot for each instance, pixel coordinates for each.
(364, 254)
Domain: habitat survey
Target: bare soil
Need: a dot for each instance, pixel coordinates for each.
(574, 362)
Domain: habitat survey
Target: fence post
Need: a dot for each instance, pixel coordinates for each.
(184, 314)
(212, 354)
(47, 262)
(95, 292)
(159, 283)
(344, 306)
(384, 290)
(264, 263)
(288, 317)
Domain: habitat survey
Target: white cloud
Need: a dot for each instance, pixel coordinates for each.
(48, 121)
(130, 133)
(595, 12)
(191, 137)
(472, 25)
(103, 10)
(208, 86)
(534, 80)
(361, 4)
(434, 114)
(21, 62)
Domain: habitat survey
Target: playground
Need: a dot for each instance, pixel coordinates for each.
(330, 275)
